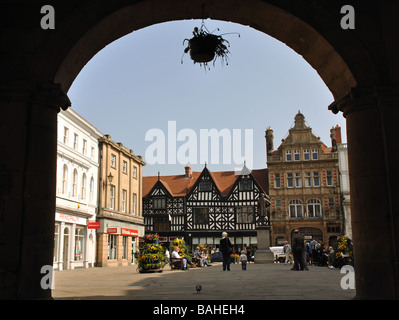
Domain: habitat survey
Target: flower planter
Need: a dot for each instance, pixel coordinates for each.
(151, 257)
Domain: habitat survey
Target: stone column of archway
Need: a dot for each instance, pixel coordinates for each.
(28, 127)
(373, 133)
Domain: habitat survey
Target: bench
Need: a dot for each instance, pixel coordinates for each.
(176, 263)
(197, 262)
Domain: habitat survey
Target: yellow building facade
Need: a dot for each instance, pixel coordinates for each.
(120, 204)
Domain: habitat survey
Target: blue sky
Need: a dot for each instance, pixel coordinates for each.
(138, 83)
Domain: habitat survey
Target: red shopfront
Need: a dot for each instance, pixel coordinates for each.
(116, 246)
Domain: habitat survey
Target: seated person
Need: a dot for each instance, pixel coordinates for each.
(197, 256)
(204, 259)
(175, 254)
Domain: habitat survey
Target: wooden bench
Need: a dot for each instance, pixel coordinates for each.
(197, 262)
(176, 263)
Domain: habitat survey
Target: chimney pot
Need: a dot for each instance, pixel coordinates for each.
(187, 172)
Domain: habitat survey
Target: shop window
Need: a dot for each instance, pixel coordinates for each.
(124, 247)
(112, 247)
(79, 244)
(56, 240)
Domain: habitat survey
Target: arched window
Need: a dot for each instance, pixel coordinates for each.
(314, 208)
(75, 183)
(83, 195)
(91, 192)
(295, 208)
(64, 185)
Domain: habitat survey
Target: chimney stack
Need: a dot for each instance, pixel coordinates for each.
(338, 134)
(335, 134)
(269, 141)
(187, 172)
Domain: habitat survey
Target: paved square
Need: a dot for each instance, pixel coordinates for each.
(258, 282)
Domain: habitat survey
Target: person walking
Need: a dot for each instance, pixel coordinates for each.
(226, 248)
(167, 254)
(298, 251)
(287, 251)
(243, 260)
(248, 252)
(313, 251)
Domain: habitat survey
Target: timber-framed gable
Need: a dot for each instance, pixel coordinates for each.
(200, 205)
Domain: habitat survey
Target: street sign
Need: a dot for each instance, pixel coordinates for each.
(93, 225)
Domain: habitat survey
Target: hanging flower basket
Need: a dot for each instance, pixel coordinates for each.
(205, 47)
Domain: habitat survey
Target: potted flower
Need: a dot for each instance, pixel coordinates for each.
(344, 251)
(151, 257)
(234, 258)
(205, 46)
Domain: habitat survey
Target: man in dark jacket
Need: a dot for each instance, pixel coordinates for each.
(298, 251)
(226, 248)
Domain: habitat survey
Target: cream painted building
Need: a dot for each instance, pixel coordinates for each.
(76, 193)
(120, 204)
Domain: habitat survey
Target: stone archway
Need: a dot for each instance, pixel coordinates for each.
(360, 67)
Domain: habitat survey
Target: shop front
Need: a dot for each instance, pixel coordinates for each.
(73, 242)
(117, 242)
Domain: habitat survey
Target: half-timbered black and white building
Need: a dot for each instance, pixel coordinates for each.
(199, 206)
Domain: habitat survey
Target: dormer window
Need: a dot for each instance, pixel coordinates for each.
(159, 203)
(245, 184)
(315, 154)
(288, 155)
(205, 186)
